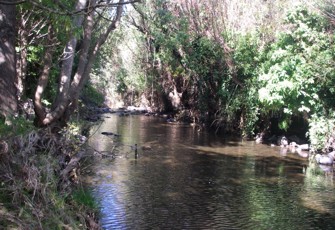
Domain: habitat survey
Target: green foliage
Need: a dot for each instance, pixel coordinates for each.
(34, 59)
(250, 110)
(246, 54)
(209, 74)
(36, 19)
(322, 130)
(298, 67)
(121, 81)
(119, 68)
(20, 126)
(92, 95)
(34, 53)
(84, 197)
(51, 90)
(55, 14)
(241, 105)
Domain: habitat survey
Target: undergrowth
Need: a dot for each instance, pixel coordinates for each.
(32, 195)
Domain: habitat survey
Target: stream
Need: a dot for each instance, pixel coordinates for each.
(183, 178)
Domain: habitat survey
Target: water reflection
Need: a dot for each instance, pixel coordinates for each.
(193, 180)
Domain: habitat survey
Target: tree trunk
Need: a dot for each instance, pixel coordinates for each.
(79, 84)
(43, 79)
(69, 91)
(63, 97)
(8, 90)
(83, 73)
(22, 55)
(83, 61)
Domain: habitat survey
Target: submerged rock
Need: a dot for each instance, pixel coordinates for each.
(282, 141)
(110, 134)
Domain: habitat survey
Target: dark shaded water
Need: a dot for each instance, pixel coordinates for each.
(193, 180)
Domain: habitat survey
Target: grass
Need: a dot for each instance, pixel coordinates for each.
(22, 126)
(84, 197)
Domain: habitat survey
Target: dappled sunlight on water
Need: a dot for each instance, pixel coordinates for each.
(185, 179)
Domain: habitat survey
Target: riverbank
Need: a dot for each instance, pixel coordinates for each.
(40, 182)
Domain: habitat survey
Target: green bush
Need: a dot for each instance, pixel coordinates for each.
(298, 69)
(92, 95)
(84, 197)
(322, 131)
(20, 126)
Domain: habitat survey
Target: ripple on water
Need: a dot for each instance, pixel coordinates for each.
(193, 184)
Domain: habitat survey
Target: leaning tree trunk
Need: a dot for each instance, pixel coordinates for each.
(43, 79)
(8, 90)
(88, 57)
(69, 89)
(79, 82)
(62, 99)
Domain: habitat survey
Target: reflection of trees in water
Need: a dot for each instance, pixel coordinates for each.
(273, 190)
(190, 179)
(318, 193)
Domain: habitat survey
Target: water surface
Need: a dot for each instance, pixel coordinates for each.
(190, 179)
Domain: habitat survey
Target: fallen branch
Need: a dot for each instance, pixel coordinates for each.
(106, 153)
(91, 223)
(72, 165)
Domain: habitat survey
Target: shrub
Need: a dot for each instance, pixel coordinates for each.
(92, 96)
(322, 131)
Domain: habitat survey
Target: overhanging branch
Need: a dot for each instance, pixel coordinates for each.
(12, 2)
(62, 8)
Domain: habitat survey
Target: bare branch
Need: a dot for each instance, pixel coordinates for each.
(105, 5)
(62, 7)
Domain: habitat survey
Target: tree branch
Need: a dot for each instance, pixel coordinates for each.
(61, 12)
(12, 3)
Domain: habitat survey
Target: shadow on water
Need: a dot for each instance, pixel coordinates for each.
(185, 179)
